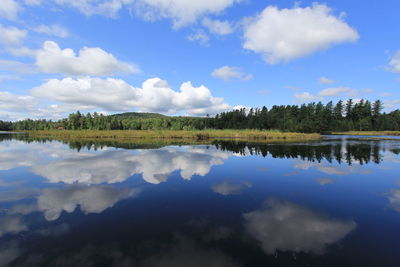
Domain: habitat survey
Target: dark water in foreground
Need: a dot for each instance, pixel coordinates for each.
(329, 203)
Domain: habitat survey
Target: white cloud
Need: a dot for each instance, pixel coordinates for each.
(9, 9)
(53, 30)
(226, 73)
(394, 64)
(306, 97)
(281, 35)
(217, 27)
(199, 36)
(324, 80)
(89, 61)
(108, 8)
(391, 103)
(6, 77)
(182, 12)
(16, 66)
(21, 51)
(33, 2)
(287, 226)
(330, 92)
(117, 95)
(11, 36)
(12, 102)
(337, 91)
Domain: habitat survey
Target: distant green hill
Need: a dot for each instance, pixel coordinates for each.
(138, 115)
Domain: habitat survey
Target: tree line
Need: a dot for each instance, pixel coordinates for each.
(313, 117)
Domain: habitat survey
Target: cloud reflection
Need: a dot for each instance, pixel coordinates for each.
(331, 169)
(11, 224)
(94, 199)
(285, 226)
(325, 181)
(229, 188)
(116, 166)
(394, 199)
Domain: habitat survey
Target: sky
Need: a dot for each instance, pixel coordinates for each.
(183, 57)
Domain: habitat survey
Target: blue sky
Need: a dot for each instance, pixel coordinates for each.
(193, 57)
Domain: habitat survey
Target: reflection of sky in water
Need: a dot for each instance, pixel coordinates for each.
(230, 204)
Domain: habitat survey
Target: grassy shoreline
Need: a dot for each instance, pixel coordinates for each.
(176, 135)
(370, 133)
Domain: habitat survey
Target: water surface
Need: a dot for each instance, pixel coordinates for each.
(334, 202)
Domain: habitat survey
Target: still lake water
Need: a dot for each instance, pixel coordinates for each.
(334, 202)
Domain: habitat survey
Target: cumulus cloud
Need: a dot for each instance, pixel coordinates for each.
(281, 35)
(94, 199)
(324, 80)
(286, 226)
(394, 63)
(11, 36)
(9, 9)
(227, 188)
(217, 27)
(227, 73)
(181, 12)
(53, 30)
(117, 95)
(89, 61)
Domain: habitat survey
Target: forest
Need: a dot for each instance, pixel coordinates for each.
(308, 118)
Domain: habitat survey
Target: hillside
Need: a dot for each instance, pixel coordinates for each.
(138, 115)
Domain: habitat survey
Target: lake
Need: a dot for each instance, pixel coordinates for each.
(334, 202)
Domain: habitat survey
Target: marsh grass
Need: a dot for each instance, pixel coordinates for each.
(203, 135)
(377, 133)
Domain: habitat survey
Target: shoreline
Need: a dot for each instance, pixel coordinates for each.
(369, 133)
(200, 135)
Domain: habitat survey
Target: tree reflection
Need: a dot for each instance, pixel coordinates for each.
(362, 153)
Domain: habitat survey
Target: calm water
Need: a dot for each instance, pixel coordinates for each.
(329, 203)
